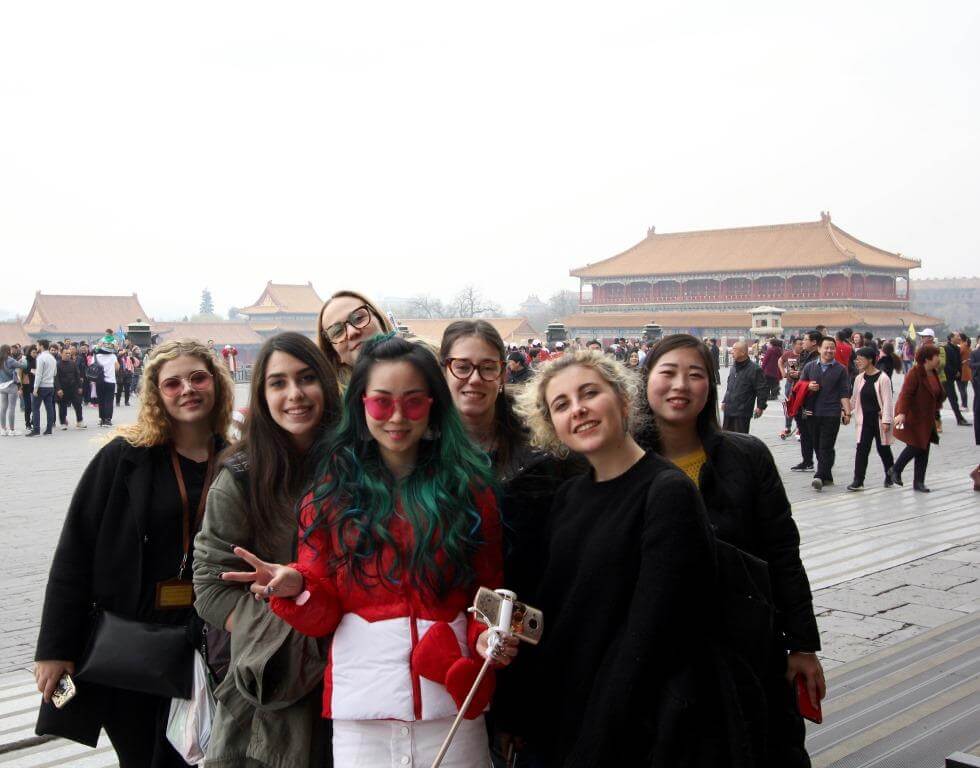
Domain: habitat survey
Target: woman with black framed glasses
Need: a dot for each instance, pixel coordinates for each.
(347, 320)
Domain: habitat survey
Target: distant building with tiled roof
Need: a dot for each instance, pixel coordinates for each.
(612, 325)
(80, 317)
(12, 332)
(240, 335)
(513, 330)
(283, 307)
(811, 265)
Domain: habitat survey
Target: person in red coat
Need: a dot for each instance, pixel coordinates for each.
(916, 415)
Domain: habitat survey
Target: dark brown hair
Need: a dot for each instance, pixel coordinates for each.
(926, 352)
(277, 473)
(647, 434)
(510, 432)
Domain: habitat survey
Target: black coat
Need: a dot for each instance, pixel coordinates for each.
(747, 390)
(748, 508)
(98, 562)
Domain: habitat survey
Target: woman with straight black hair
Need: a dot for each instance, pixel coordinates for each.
(294, 402)
(748, 508)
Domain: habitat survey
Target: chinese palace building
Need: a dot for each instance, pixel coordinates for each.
(708, 281)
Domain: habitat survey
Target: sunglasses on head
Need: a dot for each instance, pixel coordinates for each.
(359, 318)
(199, 380)
(382, 407)
(462, 369)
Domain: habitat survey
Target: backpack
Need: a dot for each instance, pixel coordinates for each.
(94, 372)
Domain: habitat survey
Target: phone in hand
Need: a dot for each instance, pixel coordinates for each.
(64, 692)
(806, 709)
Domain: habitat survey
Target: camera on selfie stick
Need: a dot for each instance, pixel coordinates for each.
(500, 610)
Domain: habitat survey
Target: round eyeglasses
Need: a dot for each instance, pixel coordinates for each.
(359, 318)
(199, 380)
(462, 369)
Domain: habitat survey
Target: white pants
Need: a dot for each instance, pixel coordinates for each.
(399, 744)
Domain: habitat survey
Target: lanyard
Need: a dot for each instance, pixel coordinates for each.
(186, 537)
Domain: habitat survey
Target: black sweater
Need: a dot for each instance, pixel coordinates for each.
(627, 594)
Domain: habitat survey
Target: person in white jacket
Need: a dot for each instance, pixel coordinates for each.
(873, 411)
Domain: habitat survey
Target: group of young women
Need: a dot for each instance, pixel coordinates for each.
(378, 484)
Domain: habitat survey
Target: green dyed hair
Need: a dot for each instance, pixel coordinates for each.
(357, 494)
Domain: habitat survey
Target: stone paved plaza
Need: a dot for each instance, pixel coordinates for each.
(885, 564)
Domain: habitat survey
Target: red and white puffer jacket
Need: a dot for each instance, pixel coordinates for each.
(397, 651)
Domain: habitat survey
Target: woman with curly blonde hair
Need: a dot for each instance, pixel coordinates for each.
(620, 677)
(125, 549)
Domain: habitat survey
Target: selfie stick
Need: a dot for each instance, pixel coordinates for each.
(497, 633)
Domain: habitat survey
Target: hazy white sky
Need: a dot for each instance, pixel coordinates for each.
(403, 148)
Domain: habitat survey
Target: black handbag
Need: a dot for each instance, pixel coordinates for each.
(138, 656)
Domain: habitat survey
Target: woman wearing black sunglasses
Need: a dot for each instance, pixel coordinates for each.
(347, 320)
(125, 549)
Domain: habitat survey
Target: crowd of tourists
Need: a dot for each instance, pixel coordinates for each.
(324, 562)
(69, 375)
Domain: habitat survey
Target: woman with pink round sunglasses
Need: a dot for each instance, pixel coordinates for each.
(396, 538)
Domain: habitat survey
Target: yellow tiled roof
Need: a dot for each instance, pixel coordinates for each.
(745, 249)
(279, 297)
(77, 314)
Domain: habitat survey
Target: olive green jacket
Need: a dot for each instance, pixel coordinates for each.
(269, 703)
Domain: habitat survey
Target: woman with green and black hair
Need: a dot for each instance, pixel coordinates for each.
(397, 535)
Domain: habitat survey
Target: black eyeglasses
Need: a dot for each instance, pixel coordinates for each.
(462, 369)
(359, 318)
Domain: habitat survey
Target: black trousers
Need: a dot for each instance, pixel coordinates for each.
(950, 387)
(961, 385)
(136, 724)
(73, 399)
(736, 423)
(823, 433)
(806, 438)
(106, 391)
(921, 457)
(122, 388)
(870, 433)
(27, 398)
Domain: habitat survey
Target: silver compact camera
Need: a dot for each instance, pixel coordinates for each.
(526, 622)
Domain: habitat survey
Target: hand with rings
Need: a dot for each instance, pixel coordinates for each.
(501, 650)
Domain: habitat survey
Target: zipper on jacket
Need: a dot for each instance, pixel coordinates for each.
(416, 682)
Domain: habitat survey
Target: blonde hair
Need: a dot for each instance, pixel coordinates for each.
(153, 426)
(327, 347)
(532, 404)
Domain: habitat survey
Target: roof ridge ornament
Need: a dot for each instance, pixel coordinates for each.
(825, 217)
(651, 231)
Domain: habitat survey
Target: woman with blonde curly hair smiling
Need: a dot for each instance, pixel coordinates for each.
(620, 677)
(125, 550)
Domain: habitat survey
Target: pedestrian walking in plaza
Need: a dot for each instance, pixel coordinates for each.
(917, 415)
(746, 393)
(294, 402)
(770, 367)
(826, 407)
(348, 319)
(105, 358)
(28, 368)
(952, 372)
(810, 352)
(125, 549)
(975, 378)
(68, 389)
(966, 374)
(748, 508)
(595, 692)
(871, 406)
(399, 530)
(789, 372)
(888, 361)
(43, 393)
(124, 378)
(9, 391)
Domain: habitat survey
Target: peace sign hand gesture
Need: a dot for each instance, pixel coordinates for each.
(267, 579)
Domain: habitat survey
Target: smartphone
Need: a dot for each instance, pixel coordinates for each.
(803, 704)
(64, 692)
(526, 622)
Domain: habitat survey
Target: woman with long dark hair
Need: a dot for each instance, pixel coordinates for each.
(125, 548)
(917, 415)
(748, 508)
(398, 533)
(294, 402)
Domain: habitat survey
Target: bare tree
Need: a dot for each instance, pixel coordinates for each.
(562, 303)
(424, 306)
(469, 302)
